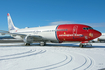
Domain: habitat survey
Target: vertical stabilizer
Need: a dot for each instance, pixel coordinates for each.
(10, 23)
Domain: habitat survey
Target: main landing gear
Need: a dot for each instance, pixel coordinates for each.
(42, 43)
(27, 44)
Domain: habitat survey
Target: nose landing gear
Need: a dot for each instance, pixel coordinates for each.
(84, 44)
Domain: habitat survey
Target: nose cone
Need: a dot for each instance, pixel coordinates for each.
(96, 34)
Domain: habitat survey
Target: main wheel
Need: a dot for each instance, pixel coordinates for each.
(27, 44)
(42, 43)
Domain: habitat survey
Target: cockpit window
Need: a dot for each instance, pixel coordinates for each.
(90, 28)
(87, 28)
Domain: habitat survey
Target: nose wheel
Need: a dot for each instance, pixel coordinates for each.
(81, 45)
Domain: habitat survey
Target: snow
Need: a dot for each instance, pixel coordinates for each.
(66, 56)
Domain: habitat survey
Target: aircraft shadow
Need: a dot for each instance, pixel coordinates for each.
(72, 45)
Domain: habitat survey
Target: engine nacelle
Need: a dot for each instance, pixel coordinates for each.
(28, 39)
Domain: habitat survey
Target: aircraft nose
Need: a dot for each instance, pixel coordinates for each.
(96, 34)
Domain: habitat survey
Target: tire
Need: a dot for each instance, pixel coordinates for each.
(27, 44)
(42, 43)
(81, 45)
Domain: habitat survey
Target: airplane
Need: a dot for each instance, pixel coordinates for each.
(55, 34)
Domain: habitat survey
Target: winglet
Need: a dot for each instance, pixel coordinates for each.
(7, 14)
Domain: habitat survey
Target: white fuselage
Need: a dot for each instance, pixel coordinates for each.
(47, 32)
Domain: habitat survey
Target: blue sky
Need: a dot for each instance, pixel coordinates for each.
(34, 13)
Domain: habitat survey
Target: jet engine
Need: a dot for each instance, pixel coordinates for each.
(28, 39)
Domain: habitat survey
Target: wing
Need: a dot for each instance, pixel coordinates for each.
(22, 35)
(7, 32)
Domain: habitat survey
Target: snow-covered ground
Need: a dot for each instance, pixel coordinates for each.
(66, 56)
